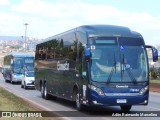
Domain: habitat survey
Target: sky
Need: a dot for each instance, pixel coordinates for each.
(50, 17)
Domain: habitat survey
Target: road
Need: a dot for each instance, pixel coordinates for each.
(67, 110)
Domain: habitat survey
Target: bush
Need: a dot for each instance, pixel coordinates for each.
(154, 73)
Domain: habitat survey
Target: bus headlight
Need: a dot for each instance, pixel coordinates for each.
(14, 76)
(96, 89)
(143, 90)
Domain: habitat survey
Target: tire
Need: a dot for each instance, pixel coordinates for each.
(22, 86)
(78, 104)
(46, 95)
(6, 80)
(126, 108)
(25, 87)
(11, 81)
(42, 91)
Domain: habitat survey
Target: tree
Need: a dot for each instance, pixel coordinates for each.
(153, 73)
(15, 46)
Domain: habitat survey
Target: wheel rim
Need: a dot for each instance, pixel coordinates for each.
(77, 100)
(24, 85)
(42, 90)
(45, 91)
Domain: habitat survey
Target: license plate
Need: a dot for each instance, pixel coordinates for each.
(121, 101)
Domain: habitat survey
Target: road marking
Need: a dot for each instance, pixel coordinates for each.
(154, 108)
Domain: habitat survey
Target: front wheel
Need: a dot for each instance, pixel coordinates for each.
(22, 85)
(11, 80)
(78, 104)
(25, 87)
(126, 108)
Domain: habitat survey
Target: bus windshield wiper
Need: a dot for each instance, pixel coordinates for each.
(128, 71)
(112, 70)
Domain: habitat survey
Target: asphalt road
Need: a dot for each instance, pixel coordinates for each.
(67, 109)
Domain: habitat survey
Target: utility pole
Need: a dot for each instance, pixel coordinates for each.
(26, 36)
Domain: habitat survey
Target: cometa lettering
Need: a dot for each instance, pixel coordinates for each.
(64, 66)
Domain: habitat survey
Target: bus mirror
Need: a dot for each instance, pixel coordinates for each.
(87, 54)
(154, 53)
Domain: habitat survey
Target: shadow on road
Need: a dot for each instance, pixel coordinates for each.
(87, 111)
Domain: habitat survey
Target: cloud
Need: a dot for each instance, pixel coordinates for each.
(49, 18)
(42, 8)
(81, 11)
(4, 2)
(8, 23)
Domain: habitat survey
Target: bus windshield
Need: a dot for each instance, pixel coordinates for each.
(118, 60)
(22, 64)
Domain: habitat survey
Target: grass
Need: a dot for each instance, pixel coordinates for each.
(10, 102)
(155, 81)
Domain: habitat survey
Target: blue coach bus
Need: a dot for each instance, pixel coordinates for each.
(15, 64)
(95, 65)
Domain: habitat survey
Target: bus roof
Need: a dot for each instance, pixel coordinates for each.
(100, 31)
(21, 54)
(108, 31)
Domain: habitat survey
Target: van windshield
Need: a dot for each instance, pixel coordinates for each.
(30, 74)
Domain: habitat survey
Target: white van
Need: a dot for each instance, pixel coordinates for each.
(28, 80)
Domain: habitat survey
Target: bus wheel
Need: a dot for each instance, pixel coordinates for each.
(42, 91)
(126, 108)
(78, 104)
(6, 80)
(46, 95)
(12, 81)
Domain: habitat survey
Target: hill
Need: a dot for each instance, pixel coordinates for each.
(11, 37)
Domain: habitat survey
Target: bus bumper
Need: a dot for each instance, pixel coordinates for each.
(16, 78)
(95, 99)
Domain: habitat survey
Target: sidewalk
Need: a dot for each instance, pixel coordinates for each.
(154, 87)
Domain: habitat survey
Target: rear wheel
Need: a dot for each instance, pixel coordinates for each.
(126, 108)
(42, 91)
(46, 95)
(25, 87)
(22, 85)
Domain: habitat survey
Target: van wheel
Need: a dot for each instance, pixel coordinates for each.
(46, 95)
(22, 85)
(25, 87)
(126, 108)
(78, 104)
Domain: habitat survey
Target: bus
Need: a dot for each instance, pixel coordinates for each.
(15, 64)
(95, 65)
